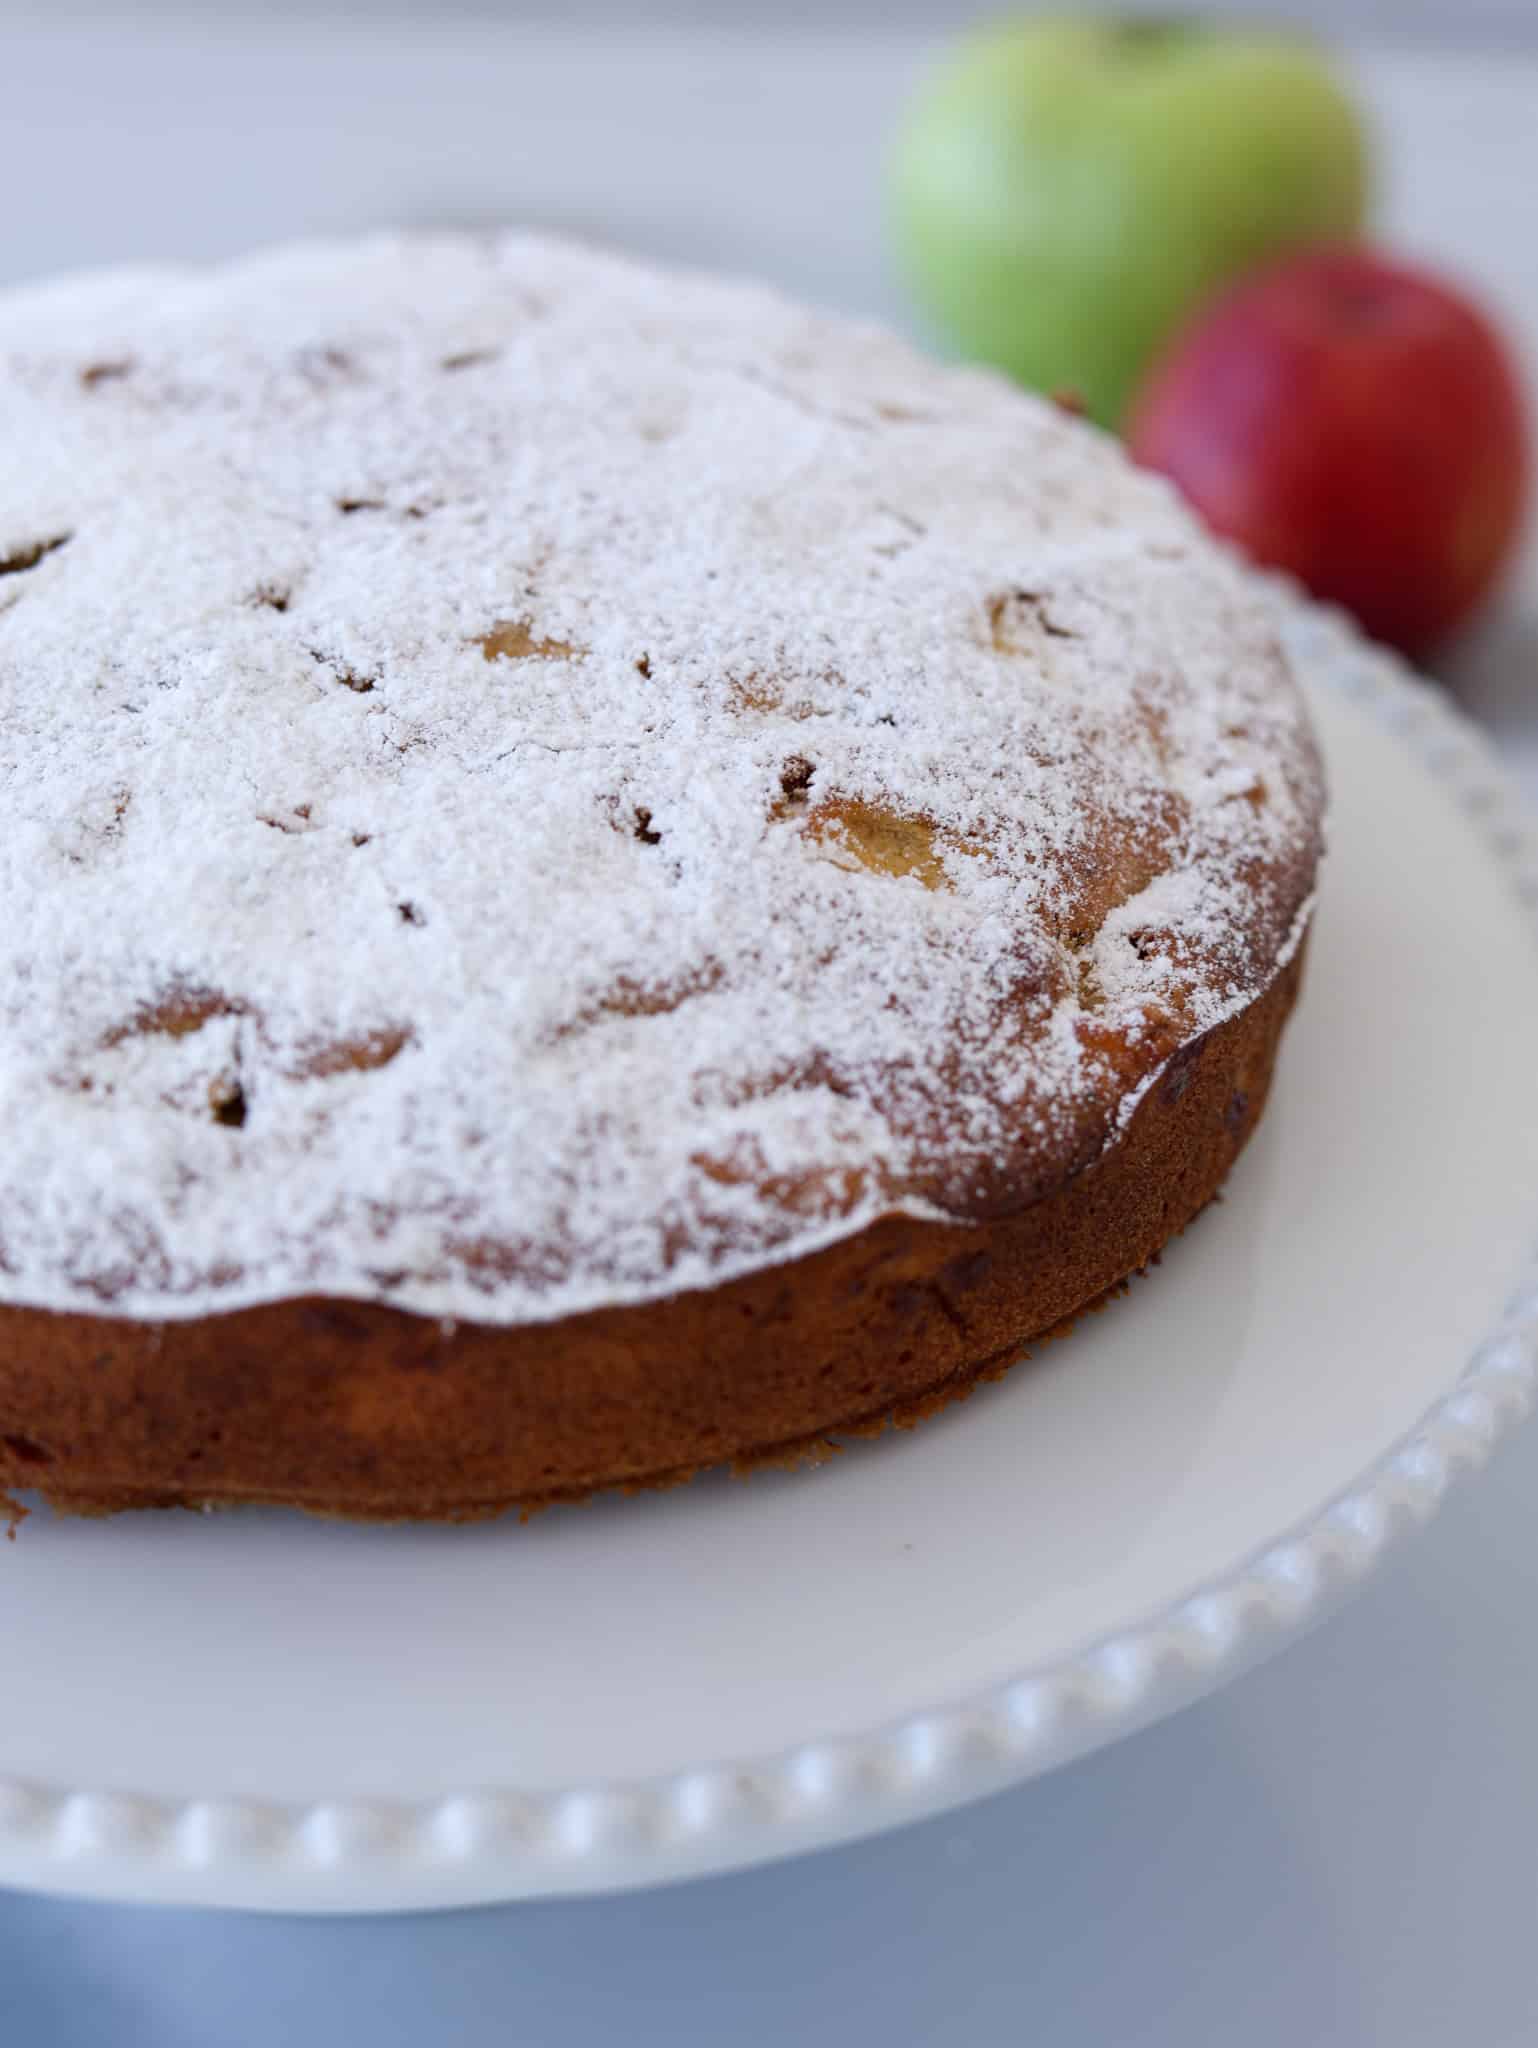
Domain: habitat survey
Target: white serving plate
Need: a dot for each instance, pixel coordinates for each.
(256, 1710)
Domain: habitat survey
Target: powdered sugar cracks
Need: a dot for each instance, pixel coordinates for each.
(532, 782)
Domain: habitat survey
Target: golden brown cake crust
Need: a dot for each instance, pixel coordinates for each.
(349, 1408)
(603, 873)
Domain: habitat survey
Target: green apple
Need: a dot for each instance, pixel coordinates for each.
(1065, 192)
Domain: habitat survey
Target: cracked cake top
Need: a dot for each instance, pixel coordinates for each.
(531, 781)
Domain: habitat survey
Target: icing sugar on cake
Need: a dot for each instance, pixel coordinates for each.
(531, 782)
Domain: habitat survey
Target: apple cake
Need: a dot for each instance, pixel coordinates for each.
(602, 874)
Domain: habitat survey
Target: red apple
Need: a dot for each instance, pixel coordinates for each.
(1356, 422)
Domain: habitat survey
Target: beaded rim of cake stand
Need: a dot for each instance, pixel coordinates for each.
(482, 1844)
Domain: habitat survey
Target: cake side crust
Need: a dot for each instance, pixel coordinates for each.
(341, 1407)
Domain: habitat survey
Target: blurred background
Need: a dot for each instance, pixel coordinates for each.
(741, 134)
(1510, 20)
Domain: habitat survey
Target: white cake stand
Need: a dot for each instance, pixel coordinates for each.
(255, 1710)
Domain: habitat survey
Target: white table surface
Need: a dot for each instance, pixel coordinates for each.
(1343, 1848)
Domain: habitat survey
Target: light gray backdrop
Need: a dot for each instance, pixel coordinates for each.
(1483, 22)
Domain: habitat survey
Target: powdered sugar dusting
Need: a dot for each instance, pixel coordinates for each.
(530, 782)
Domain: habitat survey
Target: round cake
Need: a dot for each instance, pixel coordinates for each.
(602, 874)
